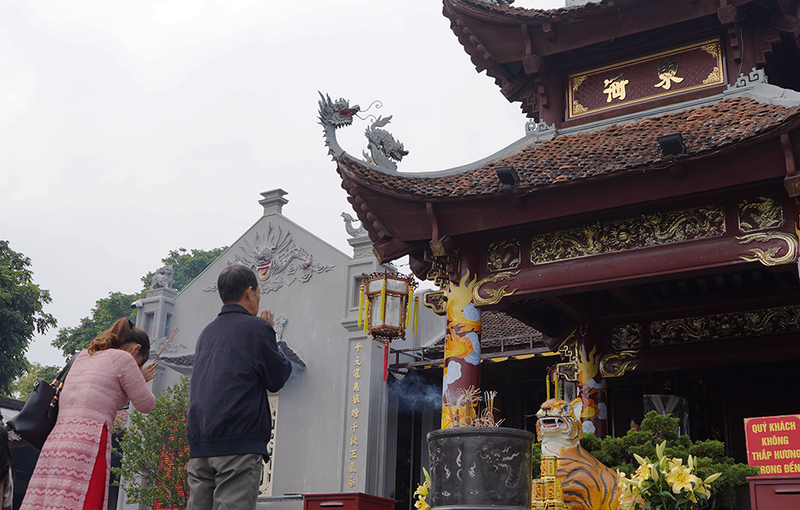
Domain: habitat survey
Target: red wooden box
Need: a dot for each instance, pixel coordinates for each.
(346, 501)
(774, 492)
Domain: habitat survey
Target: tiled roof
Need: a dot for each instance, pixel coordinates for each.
(574, 157)
(497, 326)
(523, 13)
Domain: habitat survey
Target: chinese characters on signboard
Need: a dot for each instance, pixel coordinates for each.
(661, 74)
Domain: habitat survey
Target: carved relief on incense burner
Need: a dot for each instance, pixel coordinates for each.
(726, 326)
(626, 337)
(759, 214)
(641, 232)
(503, 255)
(769, 257)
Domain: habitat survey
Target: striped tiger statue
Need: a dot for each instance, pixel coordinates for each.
(587, 483)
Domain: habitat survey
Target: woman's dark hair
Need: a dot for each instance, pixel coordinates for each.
(122, 332)
(233, 281)
(5, 452)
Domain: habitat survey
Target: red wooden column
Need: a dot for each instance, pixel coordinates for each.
(462, 354)
(591, 385)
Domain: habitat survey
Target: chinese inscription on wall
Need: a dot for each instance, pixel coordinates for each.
(355, 380)
(674, 71)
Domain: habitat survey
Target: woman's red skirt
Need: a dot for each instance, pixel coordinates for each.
(95, 497)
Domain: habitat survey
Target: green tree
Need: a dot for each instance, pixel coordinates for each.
(155, 452)
(106, 311)
(187, 265)
(21, 314)
(23, 385)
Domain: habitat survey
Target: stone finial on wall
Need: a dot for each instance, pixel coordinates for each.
(273, 201)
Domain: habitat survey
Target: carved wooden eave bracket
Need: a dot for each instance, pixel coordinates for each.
(618, 364)
(770, 256)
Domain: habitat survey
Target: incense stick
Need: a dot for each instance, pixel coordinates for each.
(167, 343)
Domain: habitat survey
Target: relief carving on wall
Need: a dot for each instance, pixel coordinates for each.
(276, 260)
(626, 337)
(726, 326)
(503, 255)
(641, 232)
(760, 214)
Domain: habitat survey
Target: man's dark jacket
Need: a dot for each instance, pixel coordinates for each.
(236, 362)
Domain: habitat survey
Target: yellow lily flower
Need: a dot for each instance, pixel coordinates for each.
(680, 478)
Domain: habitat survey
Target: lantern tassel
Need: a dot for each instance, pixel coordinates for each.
(416, 315)
(360, 303)
(367, 309)
(383, 300)
(385, 359)
(410, 306)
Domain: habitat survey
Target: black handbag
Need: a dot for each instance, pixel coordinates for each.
(38, 416)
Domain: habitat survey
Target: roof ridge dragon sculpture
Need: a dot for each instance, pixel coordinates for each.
(385, 151)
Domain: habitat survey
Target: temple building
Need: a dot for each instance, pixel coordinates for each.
(637, 247)
(646, 224)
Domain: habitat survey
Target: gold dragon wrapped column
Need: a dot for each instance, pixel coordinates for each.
(462, 353)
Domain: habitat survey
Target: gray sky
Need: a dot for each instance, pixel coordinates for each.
(128, 129)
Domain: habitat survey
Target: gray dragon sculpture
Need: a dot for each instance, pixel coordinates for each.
(332, 116)
(385, 151)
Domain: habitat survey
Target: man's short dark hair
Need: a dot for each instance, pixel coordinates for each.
(233, 281)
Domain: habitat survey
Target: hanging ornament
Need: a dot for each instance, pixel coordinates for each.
(388, 309)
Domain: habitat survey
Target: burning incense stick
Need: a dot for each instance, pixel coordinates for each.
(168, 341)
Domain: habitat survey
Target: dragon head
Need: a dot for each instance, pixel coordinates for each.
(336, 113)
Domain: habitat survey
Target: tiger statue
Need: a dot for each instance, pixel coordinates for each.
(586, 482)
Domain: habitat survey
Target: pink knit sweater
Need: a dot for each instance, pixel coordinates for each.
(96, 387)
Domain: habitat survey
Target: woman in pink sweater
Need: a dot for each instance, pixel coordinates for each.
(73, 468)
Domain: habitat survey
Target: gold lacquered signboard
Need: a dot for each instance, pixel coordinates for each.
(674, 71)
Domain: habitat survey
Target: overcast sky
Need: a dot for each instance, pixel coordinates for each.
(128, 129)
